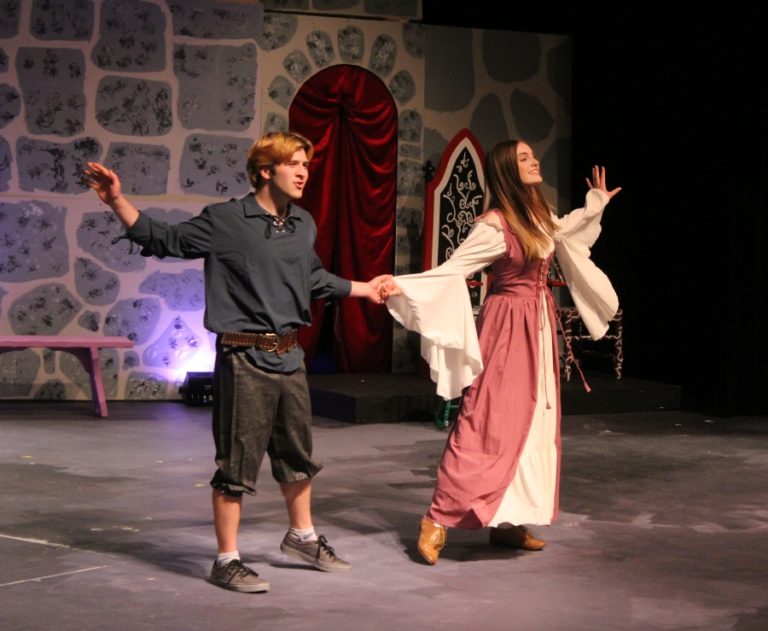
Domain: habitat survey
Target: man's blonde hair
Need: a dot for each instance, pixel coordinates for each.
(273, 149)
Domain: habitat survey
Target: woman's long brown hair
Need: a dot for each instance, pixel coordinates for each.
(524, 206)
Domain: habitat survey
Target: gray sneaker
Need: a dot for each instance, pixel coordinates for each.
(317, 553)
(237, 577)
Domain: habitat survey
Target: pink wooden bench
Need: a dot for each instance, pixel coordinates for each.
(85, 348)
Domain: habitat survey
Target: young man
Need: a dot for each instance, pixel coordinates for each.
(261, 271)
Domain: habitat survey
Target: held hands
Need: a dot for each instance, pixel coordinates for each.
(598, 182)
(373, 287)
(389, 288)
(377, 290)
(104, 181)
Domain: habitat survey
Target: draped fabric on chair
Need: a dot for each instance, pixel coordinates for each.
(350, 116)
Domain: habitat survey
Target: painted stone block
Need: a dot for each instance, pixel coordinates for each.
(131, 360)
(216, 86)
(275, 122)
(134, 318)
(402, 86)
(17, 372)
(351, 43)
(279, 29)
(34, 241)
(449, 70)
(51, 82)
(532, 119)
(143, 168)
(5, 164)
(90, 320)
(44, 310)
(96, 236)
(181, 292)
(51, 390)
(409, 126)
(134, 107)
(9, 17)
(131, 37)
(281, 91)
(49, 361)
(297, 65)
(10, 104)
(511, 56)
(413, 39)
(173, 348)
(74, 371)
(560, 72)
(320, 48)
(95, 285)
(141, 385)
(410, 178)
(215, 165)
(397, 8)
(62, 19)
(54, 167)
(410, 151)
(487, 121)
(221, 20)
(383, 55)
(333, 5)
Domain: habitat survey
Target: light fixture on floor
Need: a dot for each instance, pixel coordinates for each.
(197, 388)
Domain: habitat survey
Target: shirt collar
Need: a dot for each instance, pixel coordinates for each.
(251, 208)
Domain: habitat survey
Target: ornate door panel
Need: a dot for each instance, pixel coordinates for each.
(454, 197)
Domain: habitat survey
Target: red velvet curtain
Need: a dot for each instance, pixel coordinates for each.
(350, 116)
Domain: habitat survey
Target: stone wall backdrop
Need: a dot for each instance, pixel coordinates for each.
(170, 93)
(164, 92)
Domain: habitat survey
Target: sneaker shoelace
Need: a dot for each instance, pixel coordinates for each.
(322, 546)
(236, 569)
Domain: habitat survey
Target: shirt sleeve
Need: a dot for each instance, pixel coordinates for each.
(591, 290)
(324, 284)
(585, 221)
(436, 304)
(483, 245)
(188, 239)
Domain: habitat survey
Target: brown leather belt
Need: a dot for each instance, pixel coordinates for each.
(268, 342)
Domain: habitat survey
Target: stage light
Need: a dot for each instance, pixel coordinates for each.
(197, 388)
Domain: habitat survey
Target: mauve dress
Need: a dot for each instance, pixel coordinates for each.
(502, 458)
(516, 394)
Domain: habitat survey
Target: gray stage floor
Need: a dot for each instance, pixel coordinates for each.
(106, 525)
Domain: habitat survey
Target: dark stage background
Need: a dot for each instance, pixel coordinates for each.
(678, 116)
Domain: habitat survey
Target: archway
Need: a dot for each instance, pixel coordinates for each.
(350, 116)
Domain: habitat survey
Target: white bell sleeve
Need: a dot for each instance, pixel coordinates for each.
(592, 292)
(436, 304)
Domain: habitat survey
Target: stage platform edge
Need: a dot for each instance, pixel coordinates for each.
(396, 398)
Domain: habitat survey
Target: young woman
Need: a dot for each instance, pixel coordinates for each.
(501, 463)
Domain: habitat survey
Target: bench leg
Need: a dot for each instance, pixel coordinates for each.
(89, 358)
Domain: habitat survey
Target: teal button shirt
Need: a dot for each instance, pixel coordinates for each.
(259, 277)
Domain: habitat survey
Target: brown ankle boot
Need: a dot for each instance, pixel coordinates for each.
(518, 537)
(431, 540)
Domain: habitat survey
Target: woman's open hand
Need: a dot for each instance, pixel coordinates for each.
(598, 182)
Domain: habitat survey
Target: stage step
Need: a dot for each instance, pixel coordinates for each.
(388, 398)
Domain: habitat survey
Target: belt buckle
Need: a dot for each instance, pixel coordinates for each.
(273, 344)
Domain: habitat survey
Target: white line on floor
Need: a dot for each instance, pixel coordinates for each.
(42, 578)
(41, 542)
